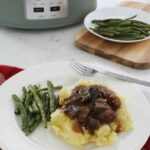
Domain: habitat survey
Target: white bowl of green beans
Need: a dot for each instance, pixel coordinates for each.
(119, 24)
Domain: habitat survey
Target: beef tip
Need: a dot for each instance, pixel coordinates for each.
(83, 93)
(73, 100)
(114, 103)
(71, 111)
(102, 92)
(100, 107)
(94, 91)
(112, 99)
(107, 116)
(92, 125)
(83, 114)
(86, 97)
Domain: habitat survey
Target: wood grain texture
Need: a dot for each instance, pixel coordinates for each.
(136, 55)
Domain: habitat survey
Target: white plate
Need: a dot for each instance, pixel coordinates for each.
(60, 73)
(116, 12)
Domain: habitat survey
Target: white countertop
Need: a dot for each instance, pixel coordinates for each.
(28, 48)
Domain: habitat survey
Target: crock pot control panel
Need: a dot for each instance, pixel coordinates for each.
(46, 9)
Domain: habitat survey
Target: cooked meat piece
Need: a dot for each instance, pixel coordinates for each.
(114, 103)
(94, 91)
(83, 93)
(107, 116)
(72, 100)
(112, 99)
(83, 114)
(92, 125)
(71, 111)
(100, 107)
(86, 97)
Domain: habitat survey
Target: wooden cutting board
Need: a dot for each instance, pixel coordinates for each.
(136, 55)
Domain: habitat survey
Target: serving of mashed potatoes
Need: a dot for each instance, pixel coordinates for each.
(105, 135)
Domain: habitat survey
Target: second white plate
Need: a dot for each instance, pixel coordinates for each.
(116, 12)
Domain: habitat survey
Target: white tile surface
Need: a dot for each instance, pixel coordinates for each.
(29, 48)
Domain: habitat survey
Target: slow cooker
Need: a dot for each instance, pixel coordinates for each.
(41, 14)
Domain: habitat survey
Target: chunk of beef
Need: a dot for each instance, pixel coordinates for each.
(71, 111)
(86, 97)
(83, 114)
(100, 107)
(112, 99)
(94, 91)
(92, 125)
(83, 93)
(114, 103)
(107, 116)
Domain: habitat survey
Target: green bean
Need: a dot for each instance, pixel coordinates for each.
(59, 87)
(31, 110)
(37, 87)
(46, 104)
(23, 111)
(35, 107)
(36, 123)
(102, 24)
(47, 109)
(140, 25)
(52, 96)
(130, 34)
(45, 99)
(141, 30)
(24, 90)
(139, 22)
(106, 21)
(31, 120)
(132, 17)
(105, 33)
(39, 104)
(28, 100)
(38, 117)
(125, 23)
(42, 89)
(122, 37)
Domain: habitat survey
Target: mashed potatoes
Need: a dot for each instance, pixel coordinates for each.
(105, 135)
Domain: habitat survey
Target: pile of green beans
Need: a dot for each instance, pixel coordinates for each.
(122, 29)
(36, 105)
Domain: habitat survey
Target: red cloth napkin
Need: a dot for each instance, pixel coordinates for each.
(7, 71)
